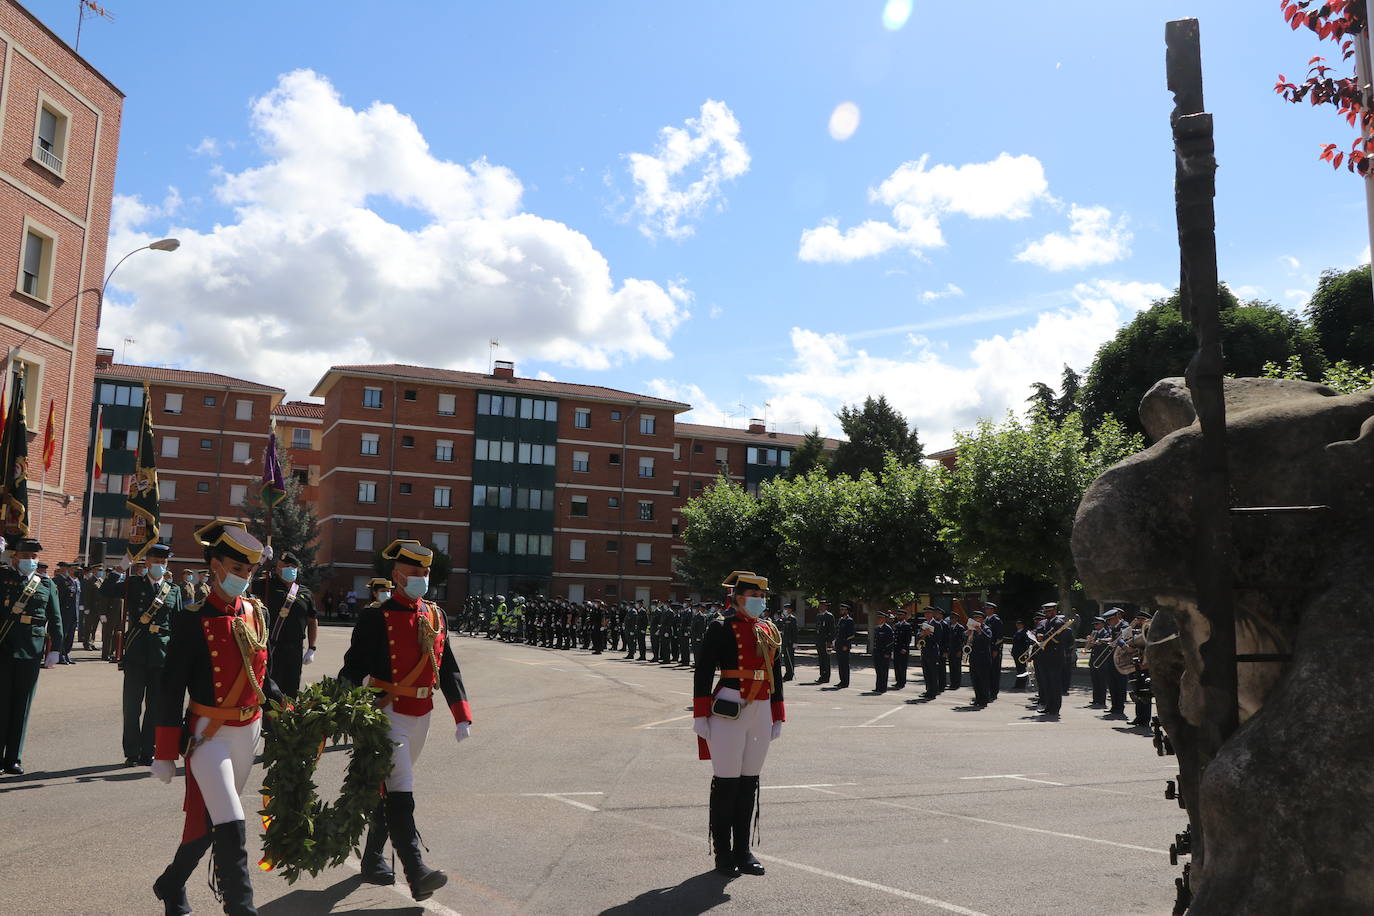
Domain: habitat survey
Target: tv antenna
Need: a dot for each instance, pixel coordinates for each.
(87, 9)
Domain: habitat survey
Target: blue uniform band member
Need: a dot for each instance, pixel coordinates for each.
(218, 655)
(401, 646)
(738, 716)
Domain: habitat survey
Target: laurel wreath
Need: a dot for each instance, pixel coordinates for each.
(303, 834)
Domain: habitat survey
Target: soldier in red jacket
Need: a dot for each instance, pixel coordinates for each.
(736, 717)
(401, 646)
(217, 654)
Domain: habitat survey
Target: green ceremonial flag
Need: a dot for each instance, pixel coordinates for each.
(143, 496)
(14, 486)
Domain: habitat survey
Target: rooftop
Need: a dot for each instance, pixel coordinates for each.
(182, 377)
(307, 409)
(730, 434)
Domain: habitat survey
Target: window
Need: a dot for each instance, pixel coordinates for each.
(167, 490)
(403, 532)
(646, 424)
(172, 403)
(578, 507)
(478, 542)
(243, 410)
(207, 444)
(582, 461)
(362, 539)
(612, 502)
(698, 448)
(675, 524)
(615, 416)
(448, 405)
(302, 476)
(300, 438)
(443, 497)
(164, 533)
(410, 394)
(405, 489)
(492, 450)
(171, 446)
(50, 135)
(696, 487)
(612, 546)
(367, 491)
(372, 397)
(443, 450)
(497, 405)
(407, 442)
(677, 488)
(784, 457)
(643, 594)
(612, 590)
(577, 551)
(35, 276)
(440, 541)
(577, 592)
(208, 400)
(677, 451)
(371, 444)
(546, 545)
(644, 553)
(582, 418)
(503, 542)
(237, 494)
(203, 486)
(646, 510)
(241, 455)
(722, 454)
(615, 459)
(646, 467)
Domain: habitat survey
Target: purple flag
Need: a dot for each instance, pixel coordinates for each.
(273, 484)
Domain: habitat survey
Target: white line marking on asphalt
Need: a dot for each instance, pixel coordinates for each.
(429, 906)
(1003, 776)
(556, 796)
(631, 684)
(816, 785)
(983, 820)
(869, 723)
(664, 721)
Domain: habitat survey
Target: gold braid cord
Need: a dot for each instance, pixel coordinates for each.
(770, 639)
(250, 642)
(428, 634)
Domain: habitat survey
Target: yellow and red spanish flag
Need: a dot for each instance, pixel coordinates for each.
(98, 464)
(50, 436)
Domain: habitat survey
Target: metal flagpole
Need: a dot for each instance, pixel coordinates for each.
(42, 488)
(90, 484)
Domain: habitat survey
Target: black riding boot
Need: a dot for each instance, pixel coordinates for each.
(170, 887)
(723, 794)
(745, 800)
(231, 869)
(405, 840)
(376, 869)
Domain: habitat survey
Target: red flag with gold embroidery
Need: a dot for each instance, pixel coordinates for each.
(50, 436)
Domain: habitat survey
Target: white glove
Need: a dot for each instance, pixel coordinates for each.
(729, 693)
(702, 726)
(777, 731)
(51, 659)
(164, 769)
(464, 730)
(308, 657)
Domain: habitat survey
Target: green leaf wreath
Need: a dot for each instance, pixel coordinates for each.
(303, 834)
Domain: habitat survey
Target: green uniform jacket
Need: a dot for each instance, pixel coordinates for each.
(146, 644)
(24, 641)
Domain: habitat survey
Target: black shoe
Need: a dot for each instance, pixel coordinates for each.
(746, 800)
(229, 844)
(725, 865)
(375, 869)
(722, 814)
(145, 761)
(170, 887)
(14, 769)
(405, 840)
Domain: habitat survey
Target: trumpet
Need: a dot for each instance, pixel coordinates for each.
(968, 644)
(1037, 645)
(1092, 643)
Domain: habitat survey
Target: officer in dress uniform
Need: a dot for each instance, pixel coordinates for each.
(954, 654)
(292, 609)
(1115, 629)
(217, 654)
(979, 642)
(402, 647)
(825, 639)
(91, 603)
(1020, 642)
(902, 633)
(789, 643)
(1136, 640)
(30, 615)
(69, 598)
(152, 604)
(738, 716)
(844, 644)
(1099, 646)
(883, 638)
(111, 594)
(684, 634)
(993, 624)
(380, 590)
(1050, 655)
(932, 662)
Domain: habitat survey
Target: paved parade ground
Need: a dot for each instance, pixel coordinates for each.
(580, 792)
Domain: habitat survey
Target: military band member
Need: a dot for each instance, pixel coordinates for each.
(954, 651)
(844, 644)
(1099, 646)
(151, 604)
(1135, 642)
(30, 616)
(825, 638)
(883, 638)
(738, 716)
(979, 643)
(1117, 683)
(1020, 642)
(902, 632)
(402, 647)
(217, 654)
(928, 643)
(1049, 656)
(993, 624)
(294, 624)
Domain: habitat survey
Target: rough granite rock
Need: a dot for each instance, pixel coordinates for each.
(1286, 810)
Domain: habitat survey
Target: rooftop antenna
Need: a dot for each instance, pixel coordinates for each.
(85, 10)
(491, 355)
(125, 349)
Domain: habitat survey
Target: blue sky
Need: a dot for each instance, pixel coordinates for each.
(1003, 205)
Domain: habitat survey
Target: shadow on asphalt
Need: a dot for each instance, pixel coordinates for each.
(40, 775)
(303, 902)
(697, 894)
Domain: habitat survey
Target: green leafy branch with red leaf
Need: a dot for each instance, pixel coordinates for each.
(1342, 21)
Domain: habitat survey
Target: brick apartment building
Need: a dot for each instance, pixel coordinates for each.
(211, 432)
(299, 426)
(59, 135)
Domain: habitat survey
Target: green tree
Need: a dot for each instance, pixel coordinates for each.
(725, 529)
(809, 455)
(1158, 344)
(1057, 404)
(1008, 506)
(1342, 316)
(1344, 377)
(295, 527)
(872, 432)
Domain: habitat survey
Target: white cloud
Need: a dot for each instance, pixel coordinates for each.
(937, 393)
(704, 410)
(208, 146)
(1290, 262)
(844, 120)
(1247, 292)
(306, 275)
(687, 171)
(950, 290)
(1004, 188)
(1093, 239)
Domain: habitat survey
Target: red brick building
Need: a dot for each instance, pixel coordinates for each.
(299, 426)
(59, 135)
(211, 432)
(528, 485)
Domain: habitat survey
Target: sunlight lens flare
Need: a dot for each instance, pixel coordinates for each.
(844, 120)
(895, 14)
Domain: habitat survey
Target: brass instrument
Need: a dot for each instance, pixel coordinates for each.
(926, 630)
(1037, 645)
(968, 644)
(1092, 641)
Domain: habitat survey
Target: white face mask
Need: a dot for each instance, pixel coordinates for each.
(288, 574)
(416, 586)
(383, 597)
(233, 585)
(157, 570)
(754, 606)
(27, 567)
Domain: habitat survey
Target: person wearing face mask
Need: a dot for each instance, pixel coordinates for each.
(380, 590)
(151, 603)
(292, 609)
(217, 655)
(30, 615)
(738, 716)
(401, 646)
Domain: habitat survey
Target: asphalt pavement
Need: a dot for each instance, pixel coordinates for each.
(580, 792)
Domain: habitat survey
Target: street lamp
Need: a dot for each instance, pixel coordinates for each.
(159, 245)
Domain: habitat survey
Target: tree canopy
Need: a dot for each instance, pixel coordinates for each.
(872, 432)
(1341, 312)
(809, 455)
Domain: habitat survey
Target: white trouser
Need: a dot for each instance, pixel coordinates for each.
(738, 746)
(408, 734)
(221, 766)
